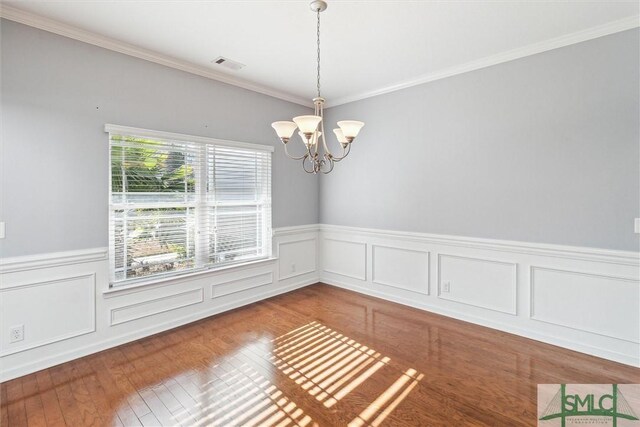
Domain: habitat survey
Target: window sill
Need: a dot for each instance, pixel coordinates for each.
(163, 281)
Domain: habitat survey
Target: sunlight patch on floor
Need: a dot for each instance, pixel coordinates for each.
(251, 386)
(388, 400)
(329, 366)
(239, 394)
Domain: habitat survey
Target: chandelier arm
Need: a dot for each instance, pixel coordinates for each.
(314, 154)
(331, 164)
(304, 162)
(286, 151)
(345, 153)
(324, 141)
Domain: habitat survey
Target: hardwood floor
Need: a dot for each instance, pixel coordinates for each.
(317, 356)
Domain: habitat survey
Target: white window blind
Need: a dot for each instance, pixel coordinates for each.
(180, 204)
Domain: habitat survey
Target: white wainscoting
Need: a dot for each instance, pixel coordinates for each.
(583, 299)
(401, 268)
(68, 311)
(294, 259)
(149, 307)
(579, 298)
(70, 300)
(344, 258)
(483, 283)
(601, 304)
(241, 282)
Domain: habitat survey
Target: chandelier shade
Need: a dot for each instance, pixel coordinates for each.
(340, 136)
(307, 124)
(313, 140)
(284, 130)
(317, 156)
(350, 128)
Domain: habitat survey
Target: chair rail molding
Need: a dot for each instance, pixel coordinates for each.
(54, 259)
(541, 249)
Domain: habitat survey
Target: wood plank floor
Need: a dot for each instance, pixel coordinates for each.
(316, 356)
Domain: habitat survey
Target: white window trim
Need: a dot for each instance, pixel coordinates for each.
(129, 284)
(127, 130)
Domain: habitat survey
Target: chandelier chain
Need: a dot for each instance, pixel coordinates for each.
(318, 38)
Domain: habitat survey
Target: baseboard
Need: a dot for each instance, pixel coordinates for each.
(37, 365)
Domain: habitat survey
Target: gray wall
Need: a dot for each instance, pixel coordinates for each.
(57, 95)
(540, 149)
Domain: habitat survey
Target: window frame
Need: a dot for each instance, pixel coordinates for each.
(191, 139)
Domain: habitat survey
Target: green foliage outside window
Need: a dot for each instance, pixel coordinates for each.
(149, 170)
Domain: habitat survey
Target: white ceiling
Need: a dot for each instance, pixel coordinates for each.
(367, 47)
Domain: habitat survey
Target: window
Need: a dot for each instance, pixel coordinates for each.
(181, 204)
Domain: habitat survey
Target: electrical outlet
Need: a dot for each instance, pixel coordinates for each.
(293, 268)
(446, 287)
(16, 333)
(636, 225)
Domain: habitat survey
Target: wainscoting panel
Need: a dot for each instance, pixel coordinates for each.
(479, 282)
(345, 258)
(248, 280)
(600, 304)
(48, 311)
(297, 257)
(406, 269)
(583, 299)
(156, 305)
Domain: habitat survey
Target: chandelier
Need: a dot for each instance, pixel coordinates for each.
(311, 128)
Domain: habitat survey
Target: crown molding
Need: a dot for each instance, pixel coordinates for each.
(532, 49)
(52, 26)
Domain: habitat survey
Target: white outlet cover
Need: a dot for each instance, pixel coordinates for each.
(2, 230)
(16, 333)
(636, 226)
